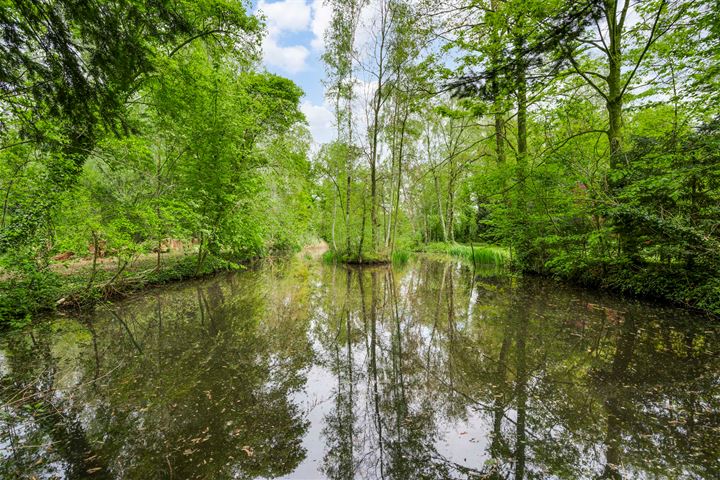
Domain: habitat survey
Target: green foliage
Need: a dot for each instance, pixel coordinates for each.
(71, 71)
(477, 254)
(196, 151)
(22, 297)
(117, 145)
(653, 233)
(401, 257)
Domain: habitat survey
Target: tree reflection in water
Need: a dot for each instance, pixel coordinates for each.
(194, 382)
(424, 372)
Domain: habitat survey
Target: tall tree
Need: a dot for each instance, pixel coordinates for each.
(68, 69)
(339, 58)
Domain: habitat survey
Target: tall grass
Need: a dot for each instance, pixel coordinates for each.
(400, 257)
(330, 257)
(480, 255)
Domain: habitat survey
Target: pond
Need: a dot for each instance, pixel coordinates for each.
(301, 370)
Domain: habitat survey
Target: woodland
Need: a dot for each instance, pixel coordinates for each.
(143, 142)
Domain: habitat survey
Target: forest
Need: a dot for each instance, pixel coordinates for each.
(143, 142)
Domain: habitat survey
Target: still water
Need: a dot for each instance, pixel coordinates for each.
(305, 371)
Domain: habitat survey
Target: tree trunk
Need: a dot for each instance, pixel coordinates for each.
(496, 62)
(614, 82)
(377, 105)
(440, 209)
(399, 180)
(522, 245)
(348, 170)
(451, 203)
(335, 199)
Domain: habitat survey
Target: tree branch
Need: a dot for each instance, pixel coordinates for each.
(195, 37)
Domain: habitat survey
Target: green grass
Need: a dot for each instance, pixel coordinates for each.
(480, 255)
(400, 257)
(330, 257)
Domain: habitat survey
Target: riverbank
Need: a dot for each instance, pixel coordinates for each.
(331, 256)
(480, 255)
(651, 282)
(80, 284)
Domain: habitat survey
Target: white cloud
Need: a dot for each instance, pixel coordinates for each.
(292, 58)
(286, 15)
(293, 16)
(322, 16)
(321, 121)
(282, 17)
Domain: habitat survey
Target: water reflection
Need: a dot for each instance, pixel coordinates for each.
(307, 371)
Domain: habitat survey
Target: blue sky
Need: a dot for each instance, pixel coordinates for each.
(292, 48)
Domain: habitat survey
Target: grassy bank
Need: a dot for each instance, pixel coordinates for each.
(398, 257)
(480, 255)
(77, 285)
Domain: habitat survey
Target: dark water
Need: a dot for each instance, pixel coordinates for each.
(306, 371)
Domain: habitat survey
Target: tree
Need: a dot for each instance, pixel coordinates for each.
(339, 59)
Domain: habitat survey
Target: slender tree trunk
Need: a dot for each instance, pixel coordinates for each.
(393, 162)
(373, 188)
(499, 136)
(93, 273)
(399, 180)
(337, 195)
(440, 208)
(427, 234)
(523, 246)
(451, 202)
(521, 80)
(348, 174)
(335, 199)
(362, 232)
(614, 82)
(201, 254)
(377, 106)
(496, 62)
(159, 249)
